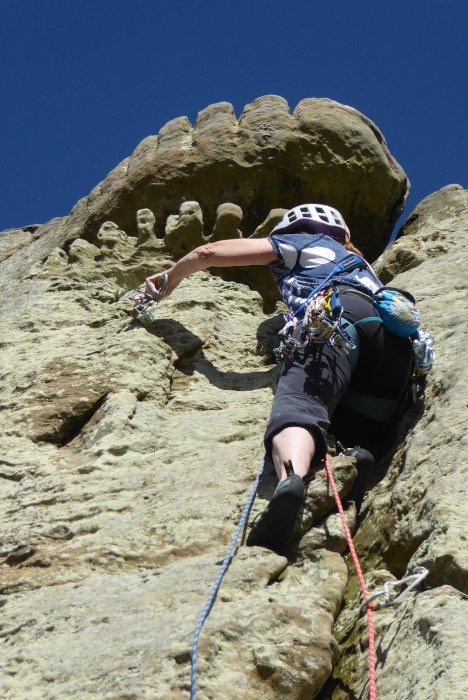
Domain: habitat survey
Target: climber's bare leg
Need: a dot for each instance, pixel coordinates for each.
(296, 444)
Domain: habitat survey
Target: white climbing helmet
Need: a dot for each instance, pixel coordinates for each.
(316, 218)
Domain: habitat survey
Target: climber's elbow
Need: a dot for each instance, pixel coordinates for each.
(206, 252)
(208, 255)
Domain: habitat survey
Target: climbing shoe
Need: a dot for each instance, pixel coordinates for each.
(365, 465)
(274, 527)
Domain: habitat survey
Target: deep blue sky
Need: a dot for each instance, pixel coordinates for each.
(84, 81)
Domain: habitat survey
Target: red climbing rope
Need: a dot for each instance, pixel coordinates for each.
(369, 607)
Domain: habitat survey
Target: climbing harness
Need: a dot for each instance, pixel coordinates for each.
(322, 323)
(217, 583)
(346, 264)
(390, 597)
(143, 311)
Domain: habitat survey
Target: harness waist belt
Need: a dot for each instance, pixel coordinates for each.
(346, 289)
(382, 410)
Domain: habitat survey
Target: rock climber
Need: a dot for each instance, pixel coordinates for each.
(304, 249)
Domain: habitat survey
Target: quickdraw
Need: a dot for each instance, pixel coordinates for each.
(143, 311)
(288, 344)
(390, 597)
(321, 324)
(424, 357)
(423, 353)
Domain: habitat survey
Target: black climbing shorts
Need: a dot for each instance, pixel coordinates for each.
(313, 384)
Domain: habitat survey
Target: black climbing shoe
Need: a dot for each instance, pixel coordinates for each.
(365, 465)
(275, 525)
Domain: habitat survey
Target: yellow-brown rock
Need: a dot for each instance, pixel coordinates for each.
(269, 157)
(128, 452)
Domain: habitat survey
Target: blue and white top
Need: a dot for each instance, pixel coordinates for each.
(305, 260)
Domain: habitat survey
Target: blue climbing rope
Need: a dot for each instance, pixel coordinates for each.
(217, 583)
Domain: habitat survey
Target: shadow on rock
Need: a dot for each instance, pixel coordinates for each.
(190, 356)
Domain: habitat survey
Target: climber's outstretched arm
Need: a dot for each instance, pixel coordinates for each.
(231, 252)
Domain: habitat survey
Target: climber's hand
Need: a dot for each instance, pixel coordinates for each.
(156, 286)
(139, 299)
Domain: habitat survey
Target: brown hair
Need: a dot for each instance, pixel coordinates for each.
(352, 248)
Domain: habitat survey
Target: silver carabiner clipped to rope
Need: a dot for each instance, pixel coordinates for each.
(390, 597)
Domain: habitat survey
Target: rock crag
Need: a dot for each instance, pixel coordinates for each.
(128, 452)
(323, 151)
(416, 513)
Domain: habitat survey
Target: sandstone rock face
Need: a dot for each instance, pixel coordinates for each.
(416, 515)
(184, 231)
(245, 170)
(433, 228)
(14, 239)
(228, 218)
(127, 457)
(269, 157)
(128, 454)
(145, 223)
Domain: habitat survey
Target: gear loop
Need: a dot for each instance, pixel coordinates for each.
(322, 323)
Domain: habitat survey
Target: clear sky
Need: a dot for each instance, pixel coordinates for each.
(84, 81)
